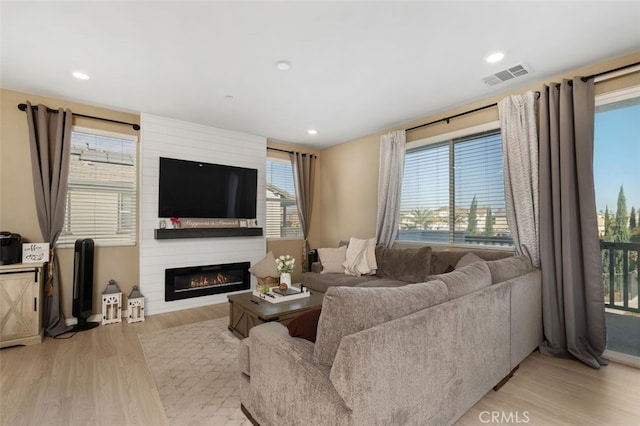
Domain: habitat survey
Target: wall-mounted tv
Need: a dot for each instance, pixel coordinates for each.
(193, 189)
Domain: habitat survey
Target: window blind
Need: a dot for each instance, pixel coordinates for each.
(101, 197)
(283, 220)
(453, 192)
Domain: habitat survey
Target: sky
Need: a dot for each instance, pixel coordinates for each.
(616, 159)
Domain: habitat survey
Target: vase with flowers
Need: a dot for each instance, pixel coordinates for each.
(285, 265)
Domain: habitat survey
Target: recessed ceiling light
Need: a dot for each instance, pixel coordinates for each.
(283, 65)
(80, 75)
(494, 57)
(312, 131)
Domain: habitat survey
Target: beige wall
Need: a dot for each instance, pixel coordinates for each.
(349, 171)
(17, 205)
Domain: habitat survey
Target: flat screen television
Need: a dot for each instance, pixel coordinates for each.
(193, 189)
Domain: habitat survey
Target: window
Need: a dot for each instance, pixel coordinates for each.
(615, 164)
(282, 211)
(453, 191)
(101, 189)
(616, 177)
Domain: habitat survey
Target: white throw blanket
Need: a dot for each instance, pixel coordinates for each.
(361, 257)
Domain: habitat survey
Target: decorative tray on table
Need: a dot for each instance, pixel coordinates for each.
(275, 295)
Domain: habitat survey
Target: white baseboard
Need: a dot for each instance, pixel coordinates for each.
(94, 318)
(621, 358)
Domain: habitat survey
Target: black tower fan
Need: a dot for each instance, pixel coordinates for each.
(83, 284)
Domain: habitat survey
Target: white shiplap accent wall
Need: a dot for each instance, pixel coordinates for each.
(165, 137)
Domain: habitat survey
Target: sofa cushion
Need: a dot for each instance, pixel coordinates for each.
(332, 259)
(347, 310)
(442, 259)
(468, 259)
(305, 325)
(321, 282)
(412, 265)
(361, 257)
(465, 280)
(266, 267)
(382, 282)
(508, 268)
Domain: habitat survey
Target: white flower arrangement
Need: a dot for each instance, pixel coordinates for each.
(285, 264)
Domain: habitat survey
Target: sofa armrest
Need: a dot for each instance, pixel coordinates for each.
(285, 379)
(526, 315)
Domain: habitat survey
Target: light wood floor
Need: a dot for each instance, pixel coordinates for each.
(100, 377)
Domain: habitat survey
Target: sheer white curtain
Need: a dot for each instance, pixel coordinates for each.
(392, 149)
(520, 153)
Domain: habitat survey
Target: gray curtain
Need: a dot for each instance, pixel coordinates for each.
(520, 153)
(572, 290)
(304, 171)
(392, 149)
(50, 142)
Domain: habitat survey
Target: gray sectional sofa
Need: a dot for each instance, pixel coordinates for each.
(398, 267)
(416, 354)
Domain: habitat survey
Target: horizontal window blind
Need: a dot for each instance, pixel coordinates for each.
(424, 204)
(101, 195)
(453, 192)
(283, 220)
(479, 189)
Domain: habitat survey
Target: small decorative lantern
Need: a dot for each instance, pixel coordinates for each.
(111, 303)
(136, 305)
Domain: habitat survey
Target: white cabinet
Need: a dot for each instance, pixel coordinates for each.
(21, 304)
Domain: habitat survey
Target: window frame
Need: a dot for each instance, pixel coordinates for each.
(135, 195)
(449, 139)
(267, 199)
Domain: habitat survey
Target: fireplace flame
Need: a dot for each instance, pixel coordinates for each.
(205, 281)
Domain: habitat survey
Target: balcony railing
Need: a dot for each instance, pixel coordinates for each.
(620, 269)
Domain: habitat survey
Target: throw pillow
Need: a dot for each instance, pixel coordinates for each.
(411, 265)
(468, 259)
(348, 310)
(508, 268)
(465, 280)
(332, 259)
(266, 267)
(360, 257)
(305, 325)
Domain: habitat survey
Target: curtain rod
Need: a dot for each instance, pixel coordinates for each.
(447, 119)
(600, 74)
(23, 107)
(286, 151)
(537, 95)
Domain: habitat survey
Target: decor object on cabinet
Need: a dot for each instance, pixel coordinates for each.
(136, 305)
(35, 252)
(111, 304)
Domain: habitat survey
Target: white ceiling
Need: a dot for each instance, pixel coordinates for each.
(357, 67)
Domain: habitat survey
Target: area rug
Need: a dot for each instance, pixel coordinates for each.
(195, 371)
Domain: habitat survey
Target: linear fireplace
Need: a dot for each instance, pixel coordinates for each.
(196, 281)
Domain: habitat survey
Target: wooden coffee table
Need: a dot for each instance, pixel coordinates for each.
(247, 311)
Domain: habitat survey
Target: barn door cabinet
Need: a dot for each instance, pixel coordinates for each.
(21, 304)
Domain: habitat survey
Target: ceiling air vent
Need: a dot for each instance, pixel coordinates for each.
(505, 75)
